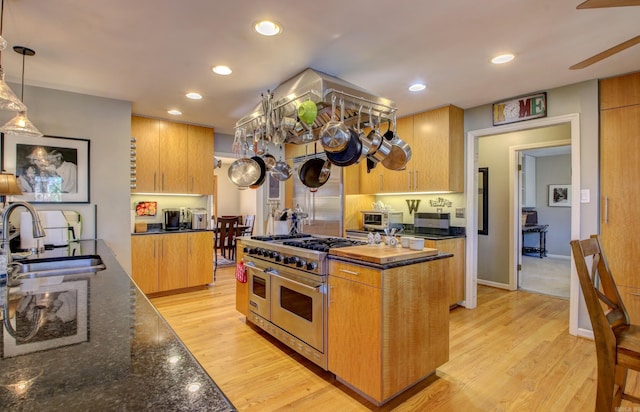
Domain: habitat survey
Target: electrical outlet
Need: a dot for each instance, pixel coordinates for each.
(460, 212)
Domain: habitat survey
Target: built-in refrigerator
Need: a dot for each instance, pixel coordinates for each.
(324, 206)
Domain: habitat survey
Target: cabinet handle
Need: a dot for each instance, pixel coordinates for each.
(162, 247)
(154, 248)
(409, 180)
(330, 294)
(380, 182)
(192, 183)
(162, 181)
(349, 272)
(606, 209)
(155, 186)
(190, 246)
(415, 179)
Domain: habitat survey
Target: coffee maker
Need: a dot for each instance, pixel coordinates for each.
(171, 219)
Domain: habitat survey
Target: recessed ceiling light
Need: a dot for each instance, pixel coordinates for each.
(267, 28)
(222, 70)
(194, 96)
(417, 87)
(503, 58)
(175, 112)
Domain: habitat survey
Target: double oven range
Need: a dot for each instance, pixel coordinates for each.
(287, 279)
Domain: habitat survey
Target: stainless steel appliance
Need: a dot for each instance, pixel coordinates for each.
(197, 218)
(381, 220)
(431, 223)
(287, 278)
(323, 205)
(171, 219)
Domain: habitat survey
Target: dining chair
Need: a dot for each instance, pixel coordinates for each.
(249, 220)
(617, 340)
(225, 235)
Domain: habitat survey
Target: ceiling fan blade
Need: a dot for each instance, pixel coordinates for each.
(606, 53)
(596, 4)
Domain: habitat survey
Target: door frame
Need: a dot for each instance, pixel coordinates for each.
(471, 189)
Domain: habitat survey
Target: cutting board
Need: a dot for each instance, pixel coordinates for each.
(381, 254)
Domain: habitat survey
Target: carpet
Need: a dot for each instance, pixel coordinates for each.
(224, 262)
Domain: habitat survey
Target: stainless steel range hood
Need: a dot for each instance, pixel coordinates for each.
(321, 88)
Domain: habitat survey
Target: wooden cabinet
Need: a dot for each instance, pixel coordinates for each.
(454, 267)
(619, 148)
(166, 262)
(387, 329)
(172, 157)
(436, 139)
(200, 157)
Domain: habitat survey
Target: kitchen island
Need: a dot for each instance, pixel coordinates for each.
(112, 351)
(388, 318)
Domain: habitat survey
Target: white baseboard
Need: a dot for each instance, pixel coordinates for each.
(585, 333)
(559, 257)
(493, 284)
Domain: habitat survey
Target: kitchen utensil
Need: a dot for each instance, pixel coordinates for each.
(244, 172)
(350, 155)
(307, 112)
(325, 172)
(335, 135)
(309, 172)
(263, 172)
(405, 241)
(281, 171)
(400, 152)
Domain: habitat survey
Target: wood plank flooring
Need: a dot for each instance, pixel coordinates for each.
(512, 353)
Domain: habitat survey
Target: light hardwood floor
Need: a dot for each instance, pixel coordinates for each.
(512, 353)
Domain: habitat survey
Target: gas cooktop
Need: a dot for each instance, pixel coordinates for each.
(323, 244)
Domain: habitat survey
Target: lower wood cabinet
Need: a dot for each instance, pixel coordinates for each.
(166, 262)
(454, 266)
(387, 329)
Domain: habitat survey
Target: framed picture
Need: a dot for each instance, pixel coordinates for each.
(49, 169)
(273, 188)
(560, 195)
(64, 318)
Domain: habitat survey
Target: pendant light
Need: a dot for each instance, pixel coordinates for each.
(8, 100)
(20, 125)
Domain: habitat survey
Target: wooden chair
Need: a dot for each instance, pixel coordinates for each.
(225, 236)
(248, 221)
(617, 340)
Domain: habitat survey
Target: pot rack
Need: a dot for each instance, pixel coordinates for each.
(371, 113)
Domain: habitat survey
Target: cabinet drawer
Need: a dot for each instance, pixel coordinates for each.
(357, 273)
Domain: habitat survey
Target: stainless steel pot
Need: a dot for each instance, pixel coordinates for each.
(310, 172)
(335, 135)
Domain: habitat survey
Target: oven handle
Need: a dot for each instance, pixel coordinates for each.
(317, 289)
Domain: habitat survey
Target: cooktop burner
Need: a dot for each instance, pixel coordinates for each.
(270, 238)
(323, 244)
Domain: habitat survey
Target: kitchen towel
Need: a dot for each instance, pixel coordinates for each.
(241, 272)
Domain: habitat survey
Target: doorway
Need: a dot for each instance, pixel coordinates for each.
(544, 263)
(512, 233)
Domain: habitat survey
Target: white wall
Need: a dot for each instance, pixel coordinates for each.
(107, 124)
(554, 170)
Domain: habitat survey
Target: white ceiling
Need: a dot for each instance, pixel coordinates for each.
(151, 52)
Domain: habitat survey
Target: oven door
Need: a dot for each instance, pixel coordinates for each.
(297, 306)
(259, 291)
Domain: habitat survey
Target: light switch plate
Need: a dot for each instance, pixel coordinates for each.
(460, 212)
(585, 196)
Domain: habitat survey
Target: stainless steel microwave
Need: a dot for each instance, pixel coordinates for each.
(380, 220)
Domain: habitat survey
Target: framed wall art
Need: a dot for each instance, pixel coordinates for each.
(64, 317)
(560, 195)
(49, 169)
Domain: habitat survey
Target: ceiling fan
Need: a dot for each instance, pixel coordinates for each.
(595, 4)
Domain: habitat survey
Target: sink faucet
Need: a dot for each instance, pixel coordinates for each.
(38, 230)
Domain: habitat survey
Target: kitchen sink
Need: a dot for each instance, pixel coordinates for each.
(56, 266)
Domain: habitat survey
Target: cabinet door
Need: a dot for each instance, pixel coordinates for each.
(146, 132)
(200, 259)
(173, 157)
(394, 181)
(454, 267)
(620, 129)
(144, 262)
(438, 145)
(354, 342)
(173, 261)
(200, 158)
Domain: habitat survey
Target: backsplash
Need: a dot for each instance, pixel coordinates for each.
(442, 203)
(168, 202)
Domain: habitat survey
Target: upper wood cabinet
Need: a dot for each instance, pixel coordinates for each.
(436, 139)
(172, 157)
(438, 150)
(620, 91)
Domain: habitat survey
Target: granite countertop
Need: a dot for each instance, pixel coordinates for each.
(155, 231)
(390, 265)
(363, 234)
(116, 352)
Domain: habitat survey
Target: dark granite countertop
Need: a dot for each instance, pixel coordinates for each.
(116, 354)
(154, 231)
(363, 234)
(391, 265)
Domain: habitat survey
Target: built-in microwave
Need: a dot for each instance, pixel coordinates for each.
(381, 219)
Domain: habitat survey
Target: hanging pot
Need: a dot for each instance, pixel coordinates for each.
(281, 171)
(310, 171)
(263, 172)
(399, 155)
(335, 135)
(350, 155)
(244, 172)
